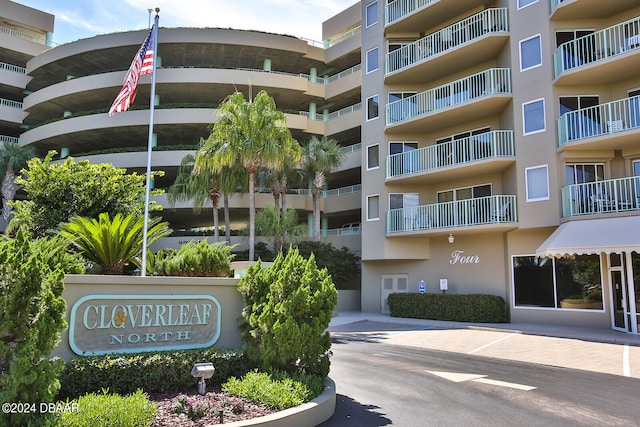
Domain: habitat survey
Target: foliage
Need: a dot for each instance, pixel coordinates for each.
(194, 259)
(113, 243)
(109, 410)
(210, 405)
(288, 309)
(342, 264)
(13, 157)
(32, 314)
(453, 307)
(59, 191)
(280, 225)
(152, 372)
(261, 252)
(250, 135)
(277, 389)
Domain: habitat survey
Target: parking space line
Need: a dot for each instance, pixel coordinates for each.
(626, 367)
(491, 343)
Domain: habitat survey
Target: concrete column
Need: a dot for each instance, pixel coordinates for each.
(154, 140)
(266, 65)
(310, 224)
(325, 114)
(64, 152)
(313, 74)
(48, 41)
(158, 61)
(324, 225)
(67, 114)
(312, 110)
(156, 100)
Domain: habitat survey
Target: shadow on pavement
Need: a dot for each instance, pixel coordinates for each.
(352, 413)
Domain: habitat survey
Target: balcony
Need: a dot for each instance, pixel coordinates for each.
(478, 154)
(461, 45)
(601, 197)
(420, 15)
(588, 9)
(490, 212)
(477, 96)
(605, 56)
(613, 125)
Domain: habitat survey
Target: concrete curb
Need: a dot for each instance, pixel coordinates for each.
(309, 414)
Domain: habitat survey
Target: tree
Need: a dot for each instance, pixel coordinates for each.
(319, 158)
(113, 243)
(57, 192)
(253, 134)
(13, 158)
(282, 225)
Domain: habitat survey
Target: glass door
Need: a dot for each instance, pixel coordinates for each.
(624, 309)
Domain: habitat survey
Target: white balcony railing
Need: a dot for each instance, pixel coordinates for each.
(555, 4)
(12, 68)
(609, 118)
(11, 139)
(398, 9)
(342, 37)
(612, 195)
(494, 144)
(497, 209)
(493, 81)
(474, 27)
(597, 46)
(353, 148)
(10, 103)
(334, 115)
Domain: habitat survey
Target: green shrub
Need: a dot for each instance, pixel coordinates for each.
(342, 264)
(195, 259)
(288, 309)
(453, 307)
(152, 372)
(277, 389)
(107, 409)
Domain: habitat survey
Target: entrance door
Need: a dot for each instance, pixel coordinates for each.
(623, 313)
(391, 284)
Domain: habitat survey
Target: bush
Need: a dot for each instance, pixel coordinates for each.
(277, 389)
(210, 405)
(106, 409)
(152, 372)
(288, 309)
(453, 307)
(342, 264)
(194, 259)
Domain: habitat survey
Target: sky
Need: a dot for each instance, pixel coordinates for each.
(76, 19)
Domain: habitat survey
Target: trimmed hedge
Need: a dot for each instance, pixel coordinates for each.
(452, 307)
(151, 372)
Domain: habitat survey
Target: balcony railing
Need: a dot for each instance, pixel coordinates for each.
(494, 144)
(351, 148)
(497, 209)
(493, 81)
(351, 189)
(342, 37)
(555, 4)
(343, 74)
(612, 117)
(12, 68)
(612, 195)
(12, 139)
(398, 9)
(326, 117)
(10, 103)
(597, 46)
(474, 27)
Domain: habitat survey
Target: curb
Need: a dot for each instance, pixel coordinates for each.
(309, 414)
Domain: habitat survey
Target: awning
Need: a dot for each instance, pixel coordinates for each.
(593, 236)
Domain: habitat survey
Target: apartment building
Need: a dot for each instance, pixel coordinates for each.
(492, 146)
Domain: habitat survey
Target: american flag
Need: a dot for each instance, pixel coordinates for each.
(142, 64)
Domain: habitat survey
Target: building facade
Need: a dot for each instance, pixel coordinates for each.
(491, 146)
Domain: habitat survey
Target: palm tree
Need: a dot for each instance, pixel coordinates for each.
(319, 158)
(253, 134)
(13, 158)
(282, 225)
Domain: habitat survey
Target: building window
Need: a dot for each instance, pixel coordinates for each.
(533, 117)
(525, 3)
(537, 183)
(373, 103)
(373, 207)
(373, 156)
(567, 283)
(530, 53)
(371, 16)
(372, 60)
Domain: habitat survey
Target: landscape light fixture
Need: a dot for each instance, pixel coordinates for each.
(202, 371)
(451, 238)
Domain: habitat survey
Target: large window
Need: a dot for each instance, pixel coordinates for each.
(537, 183)
(530, 53)
(373, 156)
(373, 104)
(371, 14)
(568, 283)
(373, 207)
(533, 117)
(524, 3)
(372, 60)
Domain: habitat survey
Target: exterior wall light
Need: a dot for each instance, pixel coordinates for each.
(451, 238)
(202, 371)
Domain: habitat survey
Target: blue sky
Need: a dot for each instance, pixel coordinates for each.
(76, 19)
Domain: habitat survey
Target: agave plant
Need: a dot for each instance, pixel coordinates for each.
(113, 243)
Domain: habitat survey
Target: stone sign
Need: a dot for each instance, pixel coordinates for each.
(101, 324)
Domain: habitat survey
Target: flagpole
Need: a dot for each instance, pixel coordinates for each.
(143, 271)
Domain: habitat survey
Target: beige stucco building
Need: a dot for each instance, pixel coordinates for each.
(490, 146)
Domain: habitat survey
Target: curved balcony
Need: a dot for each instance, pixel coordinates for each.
(605, 56)
(490, 212)
(477, 154)
(601, 197)
(419, 15)
(588, 9)
(461, 45)
(613, 125)
(477, 96)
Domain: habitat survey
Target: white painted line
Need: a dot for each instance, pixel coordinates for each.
(456, 377)
(491, 343)
(504, 384)
(626, 367)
